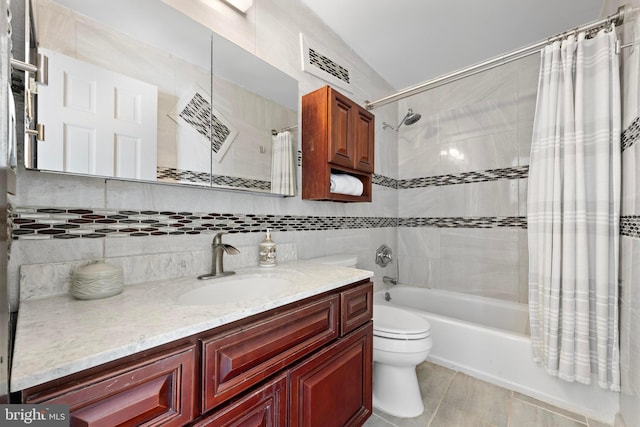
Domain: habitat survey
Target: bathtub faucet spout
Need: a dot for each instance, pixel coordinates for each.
(391, 280)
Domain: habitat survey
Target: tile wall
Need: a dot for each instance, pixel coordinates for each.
(467, 159)
(271, 31)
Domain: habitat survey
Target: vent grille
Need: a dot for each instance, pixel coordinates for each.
(330, 68)
(328, 65)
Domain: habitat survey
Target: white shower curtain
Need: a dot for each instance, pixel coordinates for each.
(283, 164)
(573, 208)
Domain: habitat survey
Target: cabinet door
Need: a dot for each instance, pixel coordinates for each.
(356, 307)
(364, 135)
(239, 359)
(341, 147)
(156, 391)
(333, 387)
(264, 407)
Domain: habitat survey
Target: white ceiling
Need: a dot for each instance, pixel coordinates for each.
(411, 41)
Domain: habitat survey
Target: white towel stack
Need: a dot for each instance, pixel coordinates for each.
(346, 184)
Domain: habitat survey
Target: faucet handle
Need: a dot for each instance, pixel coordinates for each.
(231, 250)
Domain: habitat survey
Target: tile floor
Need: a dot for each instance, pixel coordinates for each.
(453, 399)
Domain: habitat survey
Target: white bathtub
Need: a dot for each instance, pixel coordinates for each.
(488, 339)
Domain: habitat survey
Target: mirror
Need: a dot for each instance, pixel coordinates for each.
(136, 90)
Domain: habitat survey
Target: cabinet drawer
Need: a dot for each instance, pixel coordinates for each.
(333, 387)
(356, 307)
(242, 357)
(265, 406)
(159, 390)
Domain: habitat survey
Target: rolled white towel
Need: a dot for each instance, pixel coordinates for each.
(346, 184)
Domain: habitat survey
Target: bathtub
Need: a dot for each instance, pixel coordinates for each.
(488, 339)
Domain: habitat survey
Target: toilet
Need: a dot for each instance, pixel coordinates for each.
(401, 340)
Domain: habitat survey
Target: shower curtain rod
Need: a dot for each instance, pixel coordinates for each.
(274, 132)
(617, 18)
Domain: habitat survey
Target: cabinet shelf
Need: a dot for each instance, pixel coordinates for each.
(337, 137)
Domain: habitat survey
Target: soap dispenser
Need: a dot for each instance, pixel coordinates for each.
(267, 251)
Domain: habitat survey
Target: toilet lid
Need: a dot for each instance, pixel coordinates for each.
(391, 322)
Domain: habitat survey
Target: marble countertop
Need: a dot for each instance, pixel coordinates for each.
(58, 336)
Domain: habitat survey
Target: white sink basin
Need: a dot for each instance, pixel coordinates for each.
(225, 291)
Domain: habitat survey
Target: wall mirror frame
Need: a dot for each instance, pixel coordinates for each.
(139, 91)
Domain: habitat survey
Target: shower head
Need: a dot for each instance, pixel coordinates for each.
(409, 119)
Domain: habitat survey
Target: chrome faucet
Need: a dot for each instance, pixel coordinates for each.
(219, 248)
(392, 280)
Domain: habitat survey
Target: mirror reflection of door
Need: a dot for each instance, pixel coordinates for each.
(99, 122)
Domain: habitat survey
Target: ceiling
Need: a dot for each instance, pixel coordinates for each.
(410, 41)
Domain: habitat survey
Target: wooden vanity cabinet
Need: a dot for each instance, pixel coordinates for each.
(337, 137)
(264, 406)
(308, 363)
(158, 390)
(237, 360)
(333, 388)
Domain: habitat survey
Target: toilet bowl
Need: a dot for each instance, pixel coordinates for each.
(401, 340)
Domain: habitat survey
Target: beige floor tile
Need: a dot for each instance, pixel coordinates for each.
(549, 407)
(525, 415)
(434, 380)
(479, 399)
(448, 416)
(420, 421)
(376, 421)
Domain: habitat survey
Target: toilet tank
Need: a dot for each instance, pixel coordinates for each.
(343, 260)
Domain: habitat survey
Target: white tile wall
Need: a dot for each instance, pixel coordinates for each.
(271, 31)
(478, 123)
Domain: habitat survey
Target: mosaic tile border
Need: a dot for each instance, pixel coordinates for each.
(630, 226)
(60, 223)
(466, 222)
(631, 134)
(33, 223)
(384, 181)
(516, 172)
(173, 175)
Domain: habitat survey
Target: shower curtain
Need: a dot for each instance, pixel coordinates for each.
(283, 165)
(573, 208)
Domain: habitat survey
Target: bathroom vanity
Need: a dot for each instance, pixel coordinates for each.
(300, 357)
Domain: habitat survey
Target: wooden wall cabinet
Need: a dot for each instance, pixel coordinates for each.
(337, 137)
(306, 364)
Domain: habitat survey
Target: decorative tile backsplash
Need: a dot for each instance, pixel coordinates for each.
(41, 280)
(631, 134)
(70, 223)
(517, 172)
(466, 222)
(58, 223)
(167, 174)
(630, 226)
